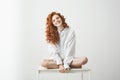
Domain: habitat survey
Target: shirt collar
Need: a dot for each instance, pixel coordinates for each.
(63, 30)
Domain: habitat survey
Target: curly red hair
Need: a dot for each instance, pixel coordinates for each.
(52, 35)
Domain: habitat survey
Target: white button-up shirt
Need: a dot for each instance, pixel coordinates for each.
(64, 51)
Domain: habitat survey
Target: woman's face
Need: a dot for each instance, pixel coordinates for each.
(57, 21)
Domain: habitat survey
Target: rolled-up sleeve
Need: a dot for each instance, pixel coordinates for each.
(69, 50)
(53, 51)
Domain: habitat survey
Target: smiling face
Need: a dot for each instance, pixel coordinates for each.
(57, 21)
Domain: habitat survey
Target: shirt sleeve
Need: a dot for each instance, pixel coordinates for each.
(54, 53)
(69, 50)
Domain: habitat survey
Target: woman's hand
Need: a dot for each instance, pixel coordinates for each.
(63, 70)
(66, 70)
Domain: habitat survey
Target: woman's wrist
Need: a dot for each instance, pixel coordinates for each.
(66, 66)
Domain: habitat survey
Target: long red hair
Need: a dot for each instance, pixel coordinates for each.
(52, 35)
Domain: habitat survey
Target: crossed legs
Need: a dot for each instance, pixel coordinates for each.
(76, 63)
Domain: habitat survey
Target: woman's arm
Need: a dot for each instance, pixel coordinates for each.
(54, 53)
(69, 50)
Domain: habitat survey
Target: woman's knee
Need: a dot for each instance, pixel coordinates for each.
(85, 60)
(45, 63)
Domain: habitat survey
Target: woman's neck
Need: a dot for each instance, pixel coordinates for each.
(60, 28)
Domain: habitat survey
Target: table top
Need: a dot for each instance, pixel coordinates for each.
(42, 69)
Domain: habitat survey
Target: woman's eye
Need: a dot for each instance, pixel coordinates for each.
(53, 20)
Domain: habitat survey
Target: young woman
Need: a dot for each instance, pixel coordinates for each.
(61, 42)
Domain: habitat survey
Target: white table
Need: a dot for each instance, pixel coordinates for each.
(74, 74)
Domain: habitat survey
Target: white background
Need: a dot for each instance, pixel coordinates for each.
(22, 35)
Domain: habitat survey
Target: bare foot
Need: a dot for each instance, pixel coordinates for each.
(61, 68)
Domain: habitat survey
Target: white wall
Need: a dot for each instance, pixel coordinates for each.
(10, 22)
(96, 23)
